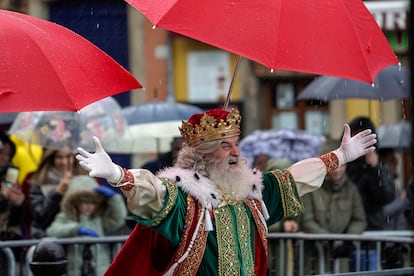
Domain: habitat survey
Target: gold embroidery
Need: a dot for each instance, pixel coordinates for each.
(260, 227)
(227, 199)
(190, 265)
(172, 198)
(192, 262)
(244, 235)
(188, 222)
(292, 205)
(330, 160)
(127, 180)
(228, 263)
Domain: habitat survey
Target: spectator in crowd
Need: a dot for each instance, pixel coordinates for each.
(336, 208)
(47, 185)
(260, 161)
(11, 192)
(12, 210)
(394, 211)
(395, 219)
(372, 179)
(7, 152)
(167, 159)
(409, 211)
(91, 210)
(376, 188)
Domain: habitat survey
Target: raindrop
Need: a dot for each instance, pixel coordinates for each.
(154, 27)
(97, 25)
(272, 70)
(399, 66)
(373, 85)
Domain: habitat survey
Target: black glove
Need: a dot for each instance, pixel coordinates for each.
(344, 250)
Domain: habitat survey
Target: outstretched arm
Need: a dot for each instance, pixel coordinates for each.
(145, 192)
(310, 173)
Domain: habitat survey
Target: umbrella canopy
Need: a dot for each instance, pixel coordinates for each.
(45, 66)
(158, 112)
(337, 38)
(291, 144)
(153, 125)
(396, 136)
(52, 129)
(393, 82)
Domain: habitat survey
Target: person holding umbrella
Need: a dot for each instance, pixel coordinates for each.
(208, 214)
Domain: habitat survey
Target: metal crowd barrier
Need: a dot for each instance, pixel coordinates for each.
(289, 247)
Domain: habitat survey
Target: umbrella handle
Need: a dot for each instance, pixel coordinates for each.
(236, 68)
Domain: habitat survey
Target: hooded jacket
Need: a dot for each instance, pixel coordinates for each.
(108, 217)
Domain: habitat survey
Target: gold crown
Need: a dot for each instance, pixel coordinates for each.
(212, 125)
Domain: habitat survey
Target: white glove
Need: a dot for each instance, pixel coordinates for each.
(99, 164)
(353, 147)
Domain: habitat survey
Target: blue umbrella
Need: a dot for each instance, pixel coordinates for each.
(159, 112)
(153, 125)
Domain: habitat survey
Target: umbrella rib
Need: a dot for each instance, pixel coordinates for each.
(348, 15)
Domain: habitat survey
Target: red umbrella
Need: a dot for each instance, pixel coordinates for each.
(326, 37)
(44, 66)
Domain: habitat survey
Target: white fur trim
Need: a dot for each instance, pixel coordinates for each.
(203, 189)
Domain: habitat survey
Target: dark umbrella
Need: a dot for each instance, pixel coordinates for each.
(397, 136)
(393, 82)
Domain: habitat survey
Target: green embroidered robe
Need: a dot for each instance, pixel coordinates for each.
(230, 247)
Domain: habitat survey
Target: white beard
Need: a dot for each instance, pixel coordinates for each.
(232, 182)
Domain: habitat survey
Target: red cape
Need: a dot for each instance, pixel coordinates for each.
(145, 252)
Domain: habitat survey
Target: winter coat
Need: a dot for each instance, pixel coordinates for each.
(329, 211)
(44, 203)
(336, 212)
(109, 216)
(376, 187)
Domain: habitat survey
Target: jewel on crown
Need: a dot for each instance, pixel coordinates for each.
(213, 125)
